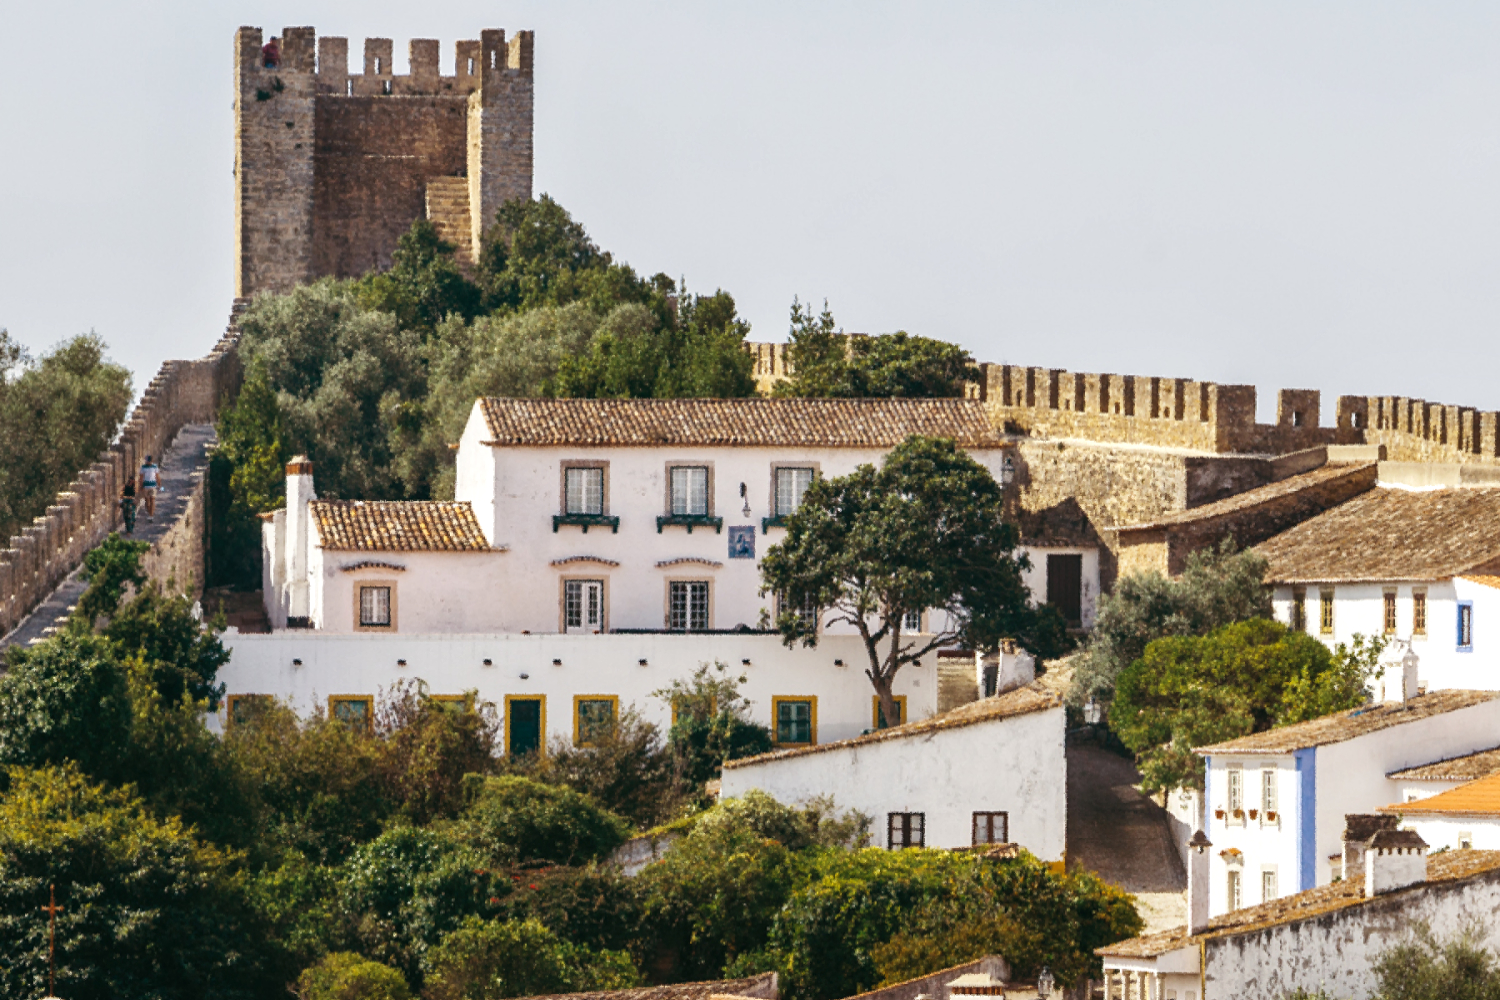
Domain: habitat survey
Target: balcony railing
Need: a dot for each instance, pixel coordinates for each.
(587, 521)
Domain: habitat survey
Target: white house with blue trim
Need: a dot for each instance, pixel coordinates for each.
(1416, 564)
(1275, 803)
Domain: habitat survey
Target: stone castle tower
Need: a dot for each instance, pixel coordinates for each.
(332, 167)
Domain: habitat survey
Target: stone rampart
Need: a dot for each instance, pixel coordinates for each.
(332, 167)
(87, 510)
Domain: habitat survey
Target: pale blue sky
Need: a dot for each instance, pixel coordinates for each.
(1287, 194)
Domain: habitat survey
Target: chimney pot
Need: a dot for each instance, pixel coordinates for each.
(1198, 858)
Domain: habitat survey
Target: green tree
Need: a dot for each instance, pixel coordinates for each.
(108, 568)
(597, 906)
(924, 531)
(424, 285)
(491, 959)
(1217, 587)
(625, 767)
(148, 910)
(57, 414)
(710, 723)
(65, 699)
(1426, 968)
(1346, 684)
(502, 355)
(344, 376)
(1189, 691)
(814, 823)
(247, 476)
(825, 362)
(536, 255)
(347, 976)
(514, 819)
(428, 747)
(180, 656)
(697, 352)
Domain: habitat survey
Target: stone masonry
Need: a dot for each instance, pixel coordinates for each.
(332, 167)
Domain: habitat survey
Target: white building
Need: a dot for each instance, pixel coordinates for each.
(587, 516)
(1326, 938)
(1276, 801)
(1457, 819)
(1427, 780)
(991, 771)
(1414, 564)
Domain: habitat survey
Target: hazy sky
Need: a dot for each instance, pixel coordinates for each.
(1287, 194)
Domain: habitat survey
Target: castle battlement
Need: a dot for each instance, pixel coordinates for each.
(325, 62)
(332, 167)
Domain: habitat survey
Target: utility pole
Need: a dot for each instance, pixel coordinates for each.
(52, 910)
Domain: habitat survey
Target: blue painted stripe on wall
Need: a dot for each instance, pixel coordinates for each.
(1307, 817)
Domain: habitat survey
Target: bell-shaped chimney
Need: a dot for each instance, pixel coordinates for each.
(1198, 883)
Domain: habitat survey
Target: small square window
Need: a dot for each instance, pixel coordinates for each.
(583, 606)
(796, 720)
(687, 609)
(355, 711)
(791, 484)
(243, 708)
(584, 493)
(375, 607)
(911, 621)
(805, 610)
(1267, 885)
(689, 489)
(1465, 840)
(593, 716)
(991, 828)
(877, 714)
(905, 830)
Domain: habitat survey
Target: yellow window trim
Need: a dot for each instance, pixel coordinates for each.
(542, 742)
(368, 699)
(900, 700)
(776, 701)
(231, 700)
(578, 700)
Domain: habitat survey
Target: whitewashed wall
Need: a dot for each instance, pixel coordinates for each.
(1016, 765)
(1335, 952)
(1360, 608)
(366, 663)
(1347, 777)
(1482, 832)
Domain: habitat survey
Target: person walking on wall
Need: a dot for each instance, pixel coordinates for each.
(149, 472)
(127, 506)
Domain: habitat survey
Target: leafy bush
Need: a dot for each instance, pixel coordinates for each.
(824, 362)
(1218, 587)
(814, 824)
(1242, 678)
(428, 748)
(65, 699)
(514, 819)
(597, 906)
(347, 976)
(487, 960)
(625, 768)
(108, 568)
(711, 724)
(148, 910)
(1425, 968)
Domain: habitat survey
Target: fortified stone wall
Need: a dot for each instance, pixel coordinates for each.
(332, 167)
(86, 511)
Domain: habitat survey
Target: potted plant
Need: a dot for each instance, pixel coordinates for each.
(1270, 815)
(1252, 813)
(1239, 814)
(1218, 814)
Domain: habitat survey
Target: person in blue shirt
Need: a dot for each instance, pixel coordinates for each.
(149, 476)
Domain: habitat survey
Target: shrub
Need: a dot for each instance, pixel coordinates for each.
(487, 960)
(347, 976)
(514, 819)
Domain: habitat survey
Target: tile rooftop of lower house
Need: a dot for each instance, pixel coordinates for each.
(1021, 701)
(1448, 866)
(1391, 534)
(1465, 768)
(821, 423)
(397, 526)
(1250, 498)
(762, 985)
(1348, 725)
(1480, 797)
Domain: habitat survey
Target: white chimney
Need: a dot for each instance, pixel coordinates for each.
(299, 492)
(1394, 859)
(1409, 662)
(1358, 829)
(1398, 678)
(1198, 883)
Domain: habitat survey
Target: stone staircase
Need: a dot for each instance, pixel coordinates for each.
(448, 210)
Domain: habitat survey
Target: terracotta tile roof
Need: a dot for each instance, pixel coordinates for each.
(1477, 798)
(1021, 701)
(1348, 725)
(1449, 866)
(1251, 498)
(763, 985)
(397, 526)
(822, 423)
(1484, 579)
(1465, 768)
(1390, 533)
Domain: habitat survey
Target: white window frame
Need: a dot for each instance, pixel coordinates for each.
(583, 489)
(787, 490)
(579, 617)
(688, 489)
(693, 615)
